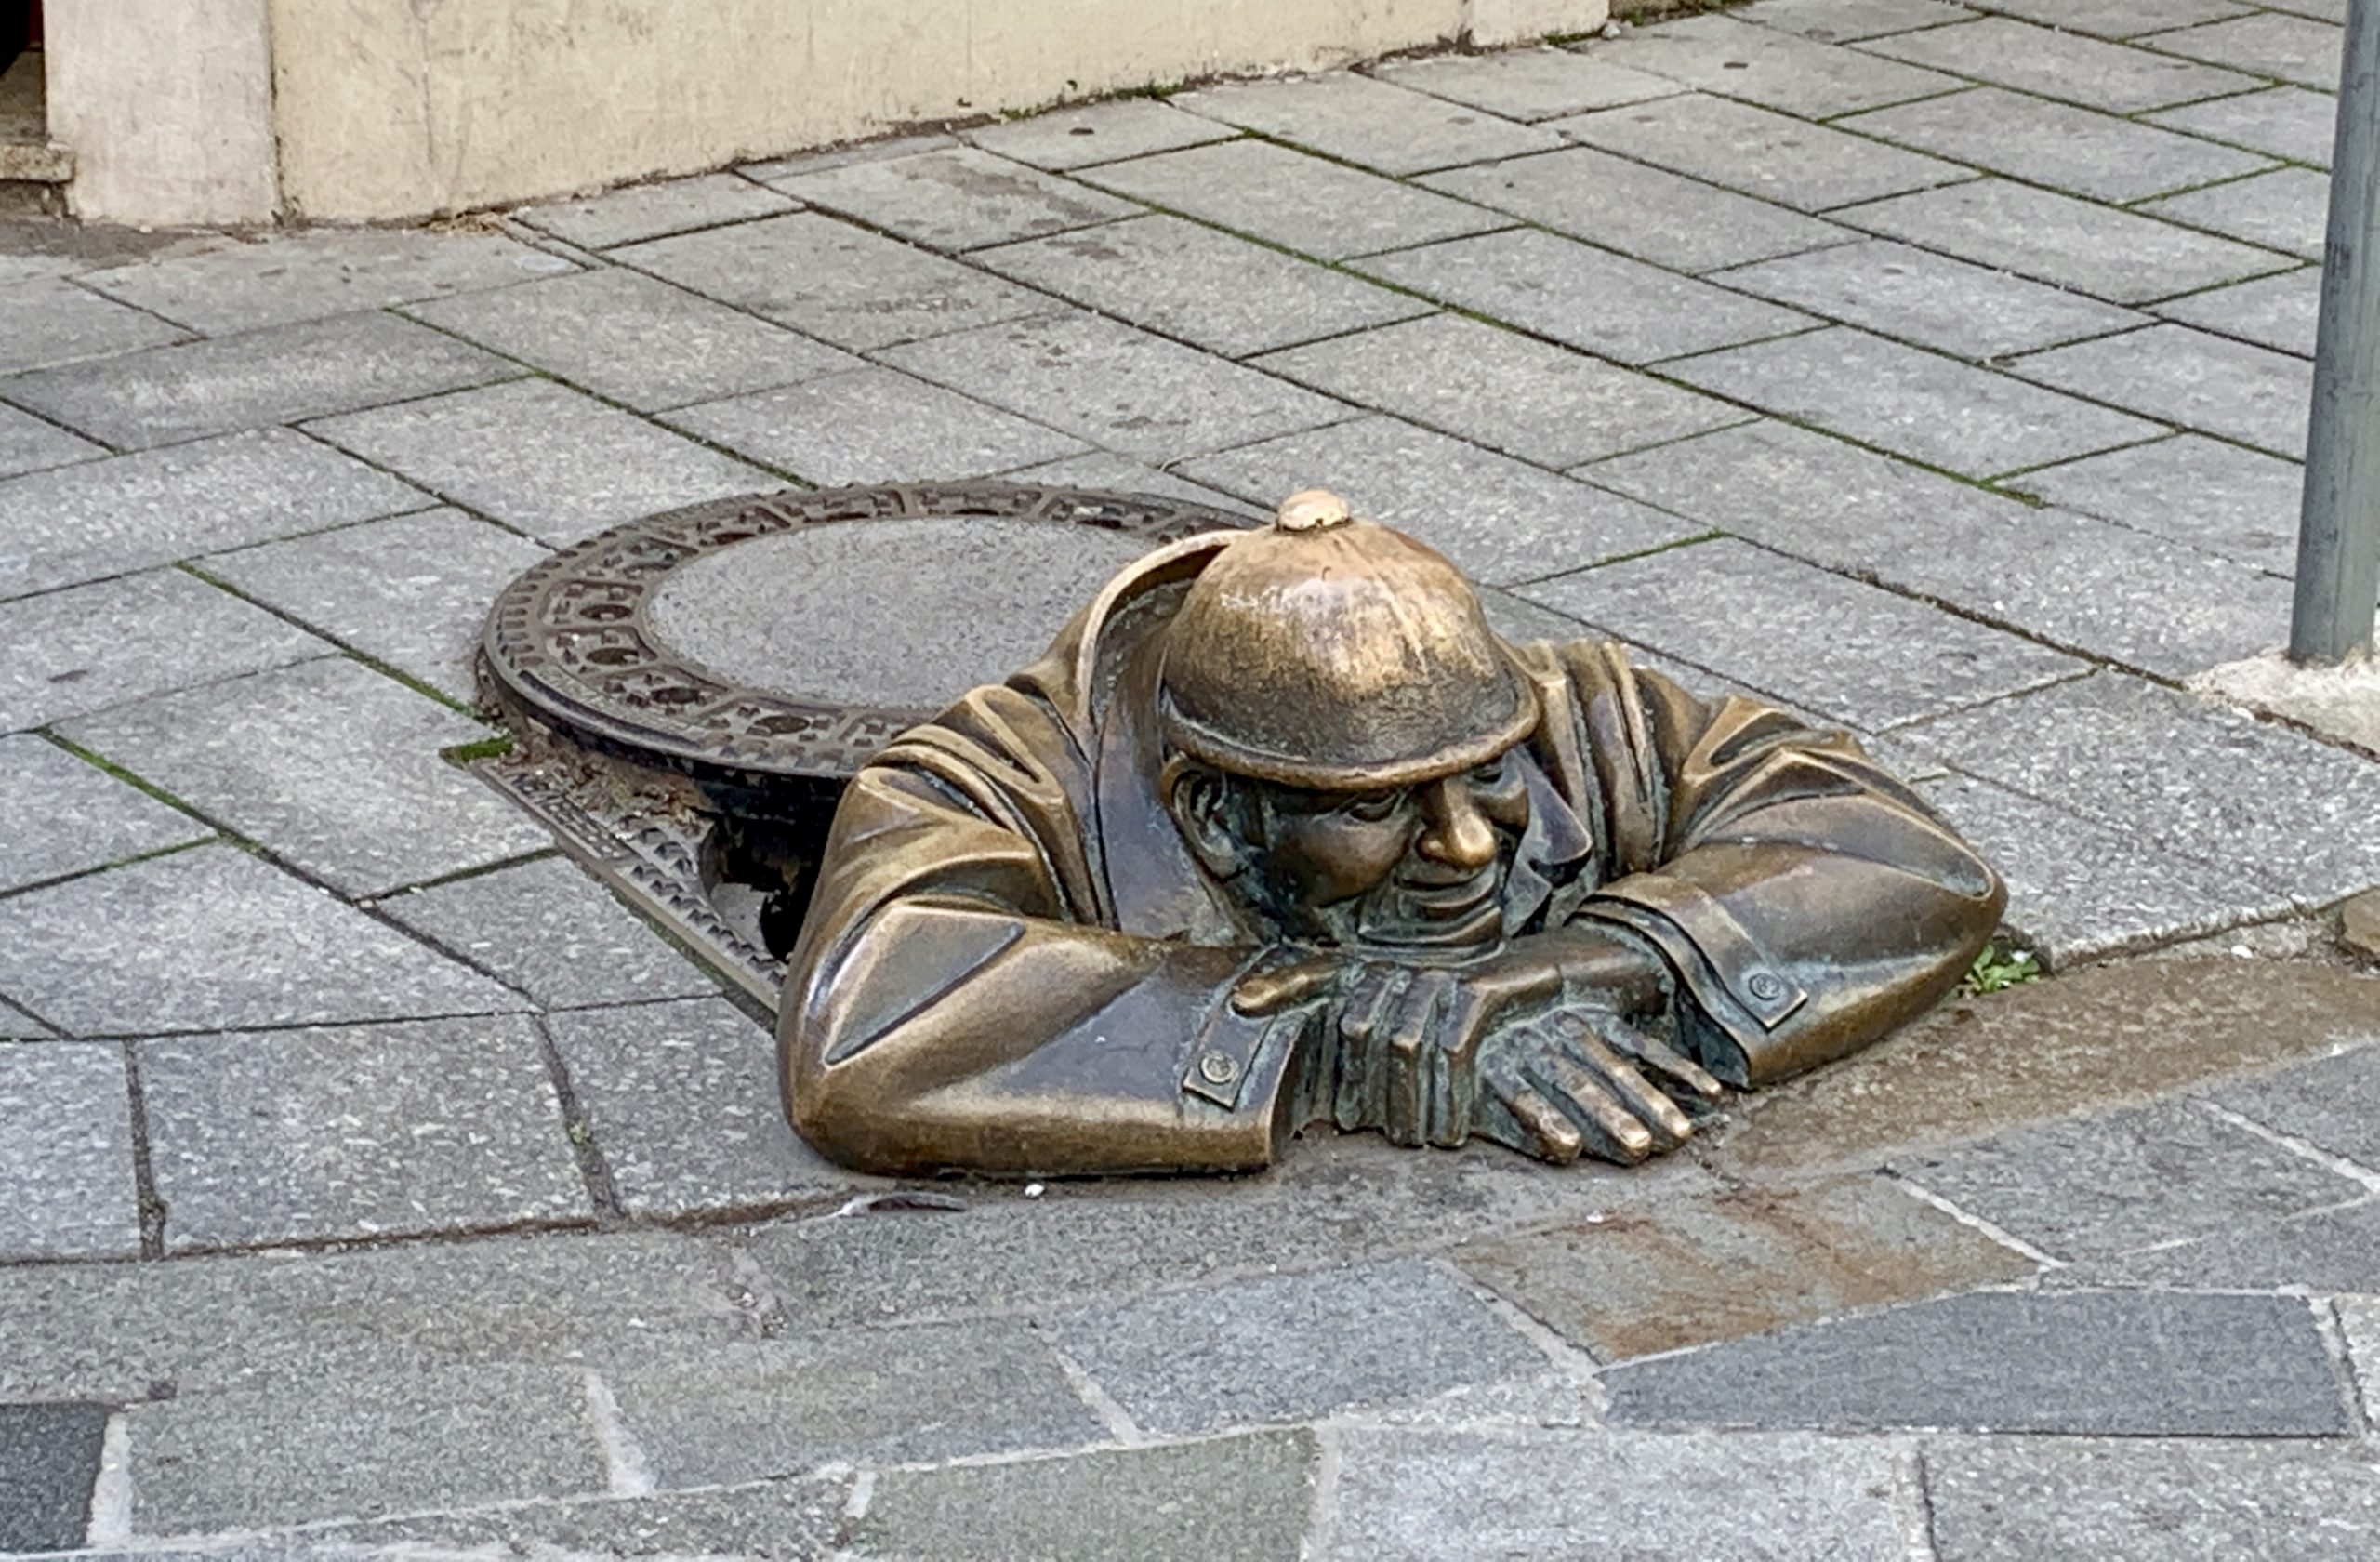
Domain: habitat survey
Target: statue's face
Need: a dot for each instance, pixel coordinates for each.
(1419, 866)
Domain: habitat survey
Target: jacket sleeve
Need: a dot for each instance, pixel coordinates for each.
(1807, 900)
(956, 1000)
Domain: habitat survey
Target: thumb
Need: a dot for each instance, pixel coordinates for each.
(1269, 992)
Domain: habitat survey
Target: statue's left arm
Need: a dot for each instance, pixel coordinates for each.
(1806, 900)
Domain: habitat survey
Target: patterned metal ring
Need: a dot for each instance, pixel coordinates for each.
(574, 643)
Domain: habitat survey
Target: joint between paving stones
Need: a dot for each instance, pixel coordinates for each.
(2338, 1164)
(196, 570)
(578, 1130)
(152, 1204)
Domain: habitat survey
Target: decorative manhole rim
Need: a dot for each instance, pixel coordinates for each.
(569, 643)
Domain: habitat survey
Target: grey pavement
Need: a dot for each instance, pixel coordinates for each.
(373, 1183)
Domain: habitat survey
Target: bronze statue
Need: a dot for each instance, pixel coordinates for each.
(1278, 832)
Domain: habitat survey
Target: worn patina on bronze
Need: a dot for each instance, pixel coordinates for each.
(1278, 833)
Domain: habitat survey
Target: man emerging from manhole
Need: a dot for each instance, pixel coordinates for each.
(1279, 833)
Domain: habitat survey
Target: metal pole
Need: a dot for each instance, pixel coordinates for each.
(2338, 537)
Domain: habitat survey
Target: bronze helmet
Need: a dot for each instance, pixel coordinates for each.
(1338, 655)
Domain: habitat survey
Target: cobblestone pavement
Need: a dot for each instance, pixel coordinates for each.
(368, 1180)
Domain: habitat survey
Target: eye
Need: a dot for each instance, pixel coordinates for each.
(1488, 775)
(1372, 807)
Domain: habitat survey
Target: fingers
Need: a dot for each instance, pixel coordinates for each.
(1362, 1089)
(1592, 1063)
(1409, 1039)
(1269, 992)
(1611, 1131)
(1679, 1075)
(1545, 1130)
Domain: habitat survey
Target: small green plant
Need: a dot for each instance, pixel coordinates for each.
(486, 749)
(1993, 972)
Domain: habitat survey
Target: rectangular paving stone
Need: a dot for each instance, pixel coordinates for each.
(2039, 233)
(2022, 1498)
(2292, 48)
(2202, 381)
(1844, 21)
(1374, 123)
(1930, 301)
(2359, 1322)
(1291, 1348)
(240, 286)
(2061, 65)
(2288, 121)
(2257, 800)
(797, 1521)
(2287, 209)
(1527, 84)
(402, 1442)
(2335, 1249)
(2134, 1179)
(66, 1161)
(90, 647)
(2278, 312)
(1940, 411)
(55, 320)
(2057, 144)
(2239, 503)
(1503, 389)
(50, 1459)
(1099, 469)
(634, 340)
(1121, 388)
(2331, 1102)
(332, 766)
(70, 816)
(956, 198)
(1852, 651)
(1735, 1264)
(1146, 1504)
(1771, 67)
(358, 1130)
(2107, 1363)
(653, 211)
(872, 150)
(540, 456)
(1774, 156)
(1089, 133)
(1303, 203)
(1585, 298)
(1532, 1493)
(873, 426)
(1651, 214)
(547, 929)
(2116, 19)
(1498, 520)
(739, 1412)
(30, 444)
(1194, 283)
(167, 395)
(214, 939)
(832, 280)
(682, 1099)
(412, 591)
(110, 517)
(17, 1025)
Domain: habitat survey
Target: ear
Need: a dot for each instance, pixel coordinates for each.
(1199, 798)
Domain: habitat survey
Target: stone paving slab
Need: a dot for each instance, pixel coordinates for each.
(1199, 285)
(1855, 653)
(1104, 132)
(632, 340)
(2240, 503)
(1098, 468)
(1528, 1492)
(106, 518)
(49, 1457)
(167, 395)
(2287, 122)
(2291, 49)
(1503, 389)
(1653, 215)
(1527, 84)
(55, 320)
(2287, 209)
(231, 286)
(2200, 381)
(2359, 1323)
(1929, 300)
(1775, 157)
(1303, 203)
(2116, 19)
(874, 150)
(2061, 65)
(361, 1448)
(1771, 67)
(1585, 298)
(653, 211)
(67, 1157)
(2331, 1104)
(792, 1520)
(2020, 1499)
(828, 279)
(873, 425)
(1372, 122)
(71, 816)
(17, 1025)
(213, 939)
(329, 765)
(2278, 312)
(957, 198)
(2102, 251)
(1121, 388)
(2329, 1250)
(411, 592)
(356, 1132)
(1239, 1499)
(2074, 150)
(30, 444)
(1291, 1348)
(1499, 521)
(2107, 1363)
(1843, 21)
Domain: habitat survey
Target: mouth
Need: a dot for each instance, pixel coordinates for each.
(1440, 915)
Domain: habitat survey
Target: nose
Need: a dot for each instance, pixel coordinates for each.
(1453, 829)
